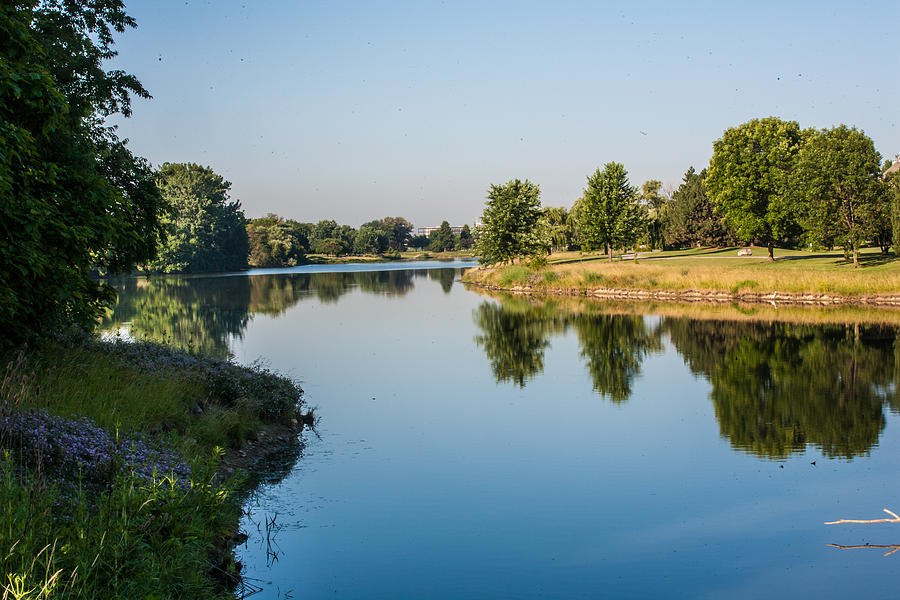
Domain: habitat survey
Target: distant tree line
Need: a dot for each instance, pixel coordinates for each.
(769, 183)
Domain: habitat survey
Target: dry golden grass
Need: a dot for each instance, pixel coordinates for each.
(828, 274)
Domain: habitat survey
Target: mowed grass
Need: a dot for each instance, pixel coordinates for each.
(707, 269)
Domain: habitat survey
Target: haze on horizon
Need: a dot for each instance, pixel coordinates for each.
(357, 111)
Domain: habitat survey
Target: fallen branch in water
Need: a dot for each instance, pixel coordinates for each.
(894, 547)
(896, 519)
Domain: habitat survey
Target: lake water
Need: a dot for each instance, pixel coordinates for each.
(479, 447)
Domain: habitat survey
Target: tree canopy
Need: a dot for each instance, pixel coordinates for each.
(509, 221)
(277, 242)
(748, 179)
(74, 200)
(609, 215)
(442, 239)
(837, 183)
(690, 219)
(206, 231)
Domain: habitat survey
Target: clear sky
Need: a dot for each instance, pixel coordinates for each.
(356, 111)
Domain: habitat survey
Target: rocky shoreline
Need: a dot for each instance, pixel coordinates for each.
(706, 296)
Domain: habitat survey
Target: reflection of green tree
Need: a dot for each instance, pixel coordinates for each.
(390, 283)
(274, 294)
(615, 346)
(445, 277)
(199, 314)
(514, 337)
(516, 332)
(778, 387)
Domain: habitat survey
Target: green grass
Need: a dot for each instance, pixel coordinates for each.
(65, 536)
(514, 275)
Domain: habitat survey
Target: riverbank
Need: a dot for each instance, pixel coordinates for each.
(406, 255)
(118, 456)
(712, 276)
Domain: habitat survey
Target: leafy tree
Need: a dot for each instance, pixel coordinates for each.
(442, 239)
(559, 226)
(892, 189)
(331, 246)
(276, 242)
(418, 241)
(73, 199)
(652, 196)
(369, 240)
(206, 232)
(609, 216)
(837, 182)
(748, 179)
(465, 240)
(690, 219)
(325, 229)
(399, 232)
(509, 222)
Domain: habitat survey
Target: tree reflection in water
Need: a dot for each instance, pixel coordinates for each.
(204, 314)
(776, 388)
(516, 332)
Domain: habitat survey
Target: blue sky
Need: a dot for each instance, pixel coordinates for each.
(356, 111)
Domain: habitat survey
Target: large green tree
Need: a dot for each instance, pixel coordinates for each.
(206, 231)
(400, 231)
(74, 200)
(892, 189)
(277, 242)
(609, 214)
(442, 239)
(837, 182)
(509, 222)
(748, 180)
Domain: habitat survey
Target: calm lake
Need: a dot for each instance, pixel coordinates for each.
(480, 447)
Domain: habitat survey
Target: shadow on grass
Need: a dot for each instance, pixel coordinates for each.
(874, 260)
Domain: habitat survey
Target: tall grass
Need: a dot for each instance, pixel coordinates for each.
(814, 275)
(108, 456)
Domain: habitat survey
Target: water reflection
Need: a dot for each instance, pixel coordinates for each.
(514, 335)
(198, 314)
(205, 314)
(614, 347)
(776, 387)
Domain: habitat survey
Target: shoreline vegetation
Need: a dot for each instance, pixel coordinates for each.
(117, 456)
(711, 275)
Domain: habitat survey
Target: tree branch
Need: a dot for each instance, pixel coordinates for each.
(895, 519)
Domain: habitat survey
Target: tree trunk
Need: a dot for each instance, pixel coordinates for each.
(771, 248)
(635, 253)
(609, 251)
(855, 256)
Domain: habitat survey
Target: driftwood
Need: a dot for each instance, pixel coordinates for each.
(895, 519)
(894, 547)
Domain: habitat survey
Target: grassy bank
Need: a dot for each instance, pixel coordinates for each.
(110, 480)
(716, 270)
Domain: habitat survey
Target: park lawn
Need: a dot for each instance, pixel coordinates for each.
(705, 269)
